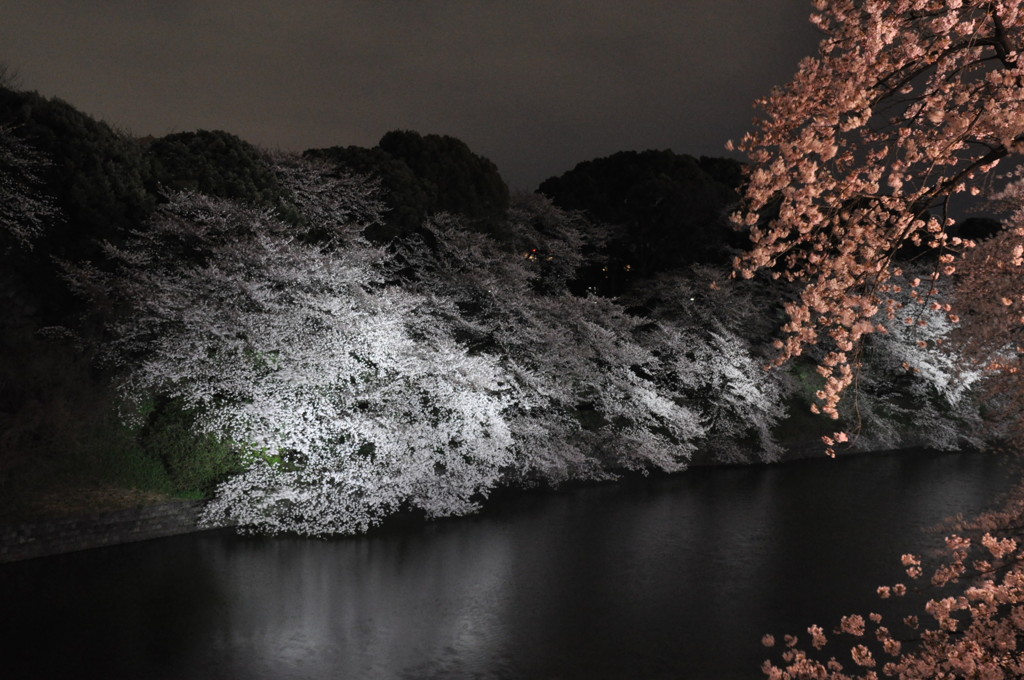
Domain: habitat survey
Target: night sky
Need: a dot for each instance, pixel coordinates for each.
(534, 85)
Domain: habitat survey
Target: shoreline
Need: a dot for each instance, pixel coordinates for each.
(44, 538)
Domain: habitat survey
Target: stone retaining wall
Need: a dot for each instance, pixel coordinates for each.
(38, 539)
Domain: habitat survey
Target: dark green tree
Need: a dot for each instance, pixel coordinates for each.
(427, 174)
(458, 180)
(96, 174)
(669, 209)
(96, 178)
(216, 163)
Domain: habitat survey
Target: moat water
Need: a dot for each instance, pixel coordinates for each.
(670, 577)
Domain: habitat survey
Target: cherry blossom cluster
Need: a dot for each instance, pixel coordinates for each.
(908, 103)
(297, 351)
(708, 334)
(971, 626)
(915, 371)
(24, 208)
(588, 402)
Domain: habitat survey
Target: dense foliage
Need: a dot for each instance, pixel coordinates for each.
(348, 393)
(408, 201)
(271, 349)
(25, 207)
(457, 180)
(96, 174)
(668, 209)
(427, 174)
(214, 163)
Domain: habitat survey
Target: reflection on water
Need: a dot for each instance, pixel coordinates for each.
(664, 578)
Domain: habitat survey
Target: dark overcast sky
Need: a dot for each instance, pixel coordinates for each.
(534, 85)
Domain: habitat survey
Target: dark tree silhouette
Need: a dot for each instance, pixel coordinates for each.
(215, 163)
(96, 174)
(427, 174)
(669, 208)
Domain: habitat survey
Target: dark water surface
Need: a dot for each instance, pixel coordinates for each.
(663, 578)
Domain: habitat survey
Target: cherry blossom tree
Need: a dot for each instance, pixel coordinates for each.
(916, 385)
(971, 626)
(297, 351)
(908, 104)
(708, 333)
(601, 388)
(588, 402)
(989, 284)
(24, 206)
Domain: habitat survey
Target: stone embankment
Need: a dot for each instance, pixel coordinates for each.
(39, 539)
